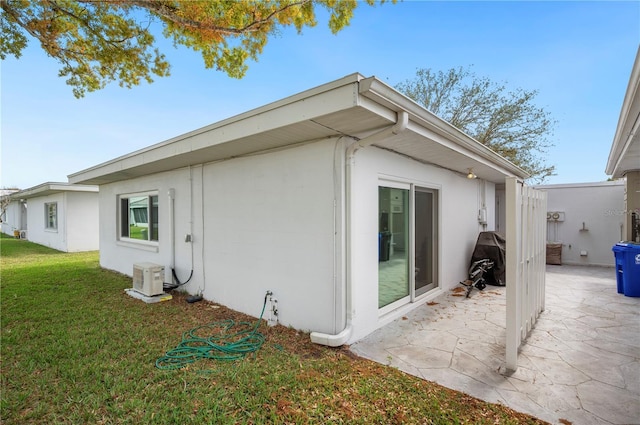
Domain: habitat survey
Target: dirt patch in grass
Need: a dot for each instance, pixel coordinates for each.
(77, 349)
(348, 378)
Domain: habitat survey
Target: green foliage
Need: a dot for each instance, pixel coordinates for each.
(98, 42)
(508, 122)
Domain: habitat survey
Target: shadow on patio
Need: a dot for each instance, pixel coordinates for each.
(580, 365)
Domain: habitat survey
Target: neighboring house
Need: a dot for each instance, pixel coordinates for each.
(624, 158)
(14, 214)
(586, 229)
(62, 216)
(350, 202)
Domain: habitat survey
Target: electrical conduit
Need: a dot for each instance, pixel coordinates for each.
(336, 340)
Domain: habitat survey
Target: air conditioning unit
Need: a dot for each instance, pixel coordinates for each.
(555, 216)
(23, 234)
(148, 279)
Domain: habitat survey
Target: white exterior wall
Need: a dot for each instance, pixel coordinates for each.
(270, 226)
(458, 231)
(267, 224)
(77, 221)
(490, 202)
(274, 222)
(121, 256)
(600, 206)
(36, 222)
(14, 218)
(82, 218)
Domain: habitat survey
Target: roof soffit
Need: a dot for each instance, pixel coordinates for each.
(625, 149)
(439, 129)
(353, 106)
(51, 188)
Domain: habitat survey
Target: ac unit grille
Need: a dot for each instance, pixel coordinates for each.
(138, 278)
(555, 215)
(148, 279)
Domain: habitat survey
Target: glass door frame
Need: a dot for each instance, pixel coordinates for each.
(435, 245)
(411, 187)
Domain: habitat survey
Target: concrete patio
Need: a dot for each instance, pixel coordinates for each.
(580, 365)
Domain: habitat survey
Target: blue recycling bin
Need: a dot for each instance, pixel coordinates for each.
(618, 253)
(627, 256)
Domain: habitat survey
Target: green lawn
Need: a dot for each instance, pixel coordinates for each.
(77, 350)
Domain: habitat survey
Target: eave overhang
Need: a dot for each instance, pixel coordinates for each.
(51, 188)
(353, 106)
(625, 149)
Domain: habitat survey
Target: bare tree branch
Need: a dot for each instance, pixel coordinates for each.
(507, 122)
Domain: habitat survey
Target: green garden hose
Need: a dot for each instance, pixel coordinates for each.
(222, 340)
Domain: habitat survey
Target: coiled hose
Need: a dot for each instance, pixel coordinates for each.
(227, 341)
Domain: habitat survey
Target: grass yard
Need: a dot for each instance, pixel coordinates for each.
(77, 350)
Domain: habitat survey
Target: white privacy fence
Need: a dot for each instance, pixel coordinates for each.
(526, 235)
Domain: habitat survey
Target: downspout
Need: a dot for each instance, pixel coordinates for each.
(171, 193)
(336, 340)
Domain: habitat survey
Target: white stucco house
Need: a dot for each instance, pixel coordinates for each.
(624, 157)
(12, 213)
(348, 201)
(586, 229)
(61, 216)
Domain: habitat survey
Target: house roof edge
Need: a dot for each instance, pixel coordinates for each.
(77, 177)
(630, 106)
(49, 188)
(381, 92)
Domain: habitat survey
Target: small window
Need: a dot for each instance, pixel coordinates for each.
(51, 215)
(139, 217)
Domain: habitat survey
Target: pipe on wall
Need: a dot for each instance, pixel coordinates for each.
(336, 340)
(171, 193)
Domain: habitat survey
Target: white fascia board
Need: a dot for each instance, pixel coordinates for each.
(328, 98)
(383, 94)
(628, 122)
(50, 188)
(579, 185)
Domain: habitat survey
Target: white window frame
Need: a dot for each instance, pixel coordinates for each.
(124, 220)
(47, 215)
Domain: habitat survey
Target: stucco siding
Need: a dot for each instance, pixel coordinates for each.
(257, 223)
(593, 218)
(120, 256)
(270, 226)
(82, 216)
(36, 222)
(458, 228)
(14, 218)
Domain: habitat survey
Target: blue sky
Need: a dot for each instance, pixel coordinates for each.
(578, 55)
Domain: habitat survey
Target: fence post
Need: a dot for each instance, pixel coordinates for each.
(526, 262)
(513, 256)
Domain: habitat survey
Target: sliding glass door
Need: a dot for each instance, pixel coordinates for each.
(393, 245)
(407, 243)
(425, 240)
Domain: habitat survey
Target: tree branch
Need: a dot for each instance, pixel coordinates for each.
(87, 24)
(171, 13)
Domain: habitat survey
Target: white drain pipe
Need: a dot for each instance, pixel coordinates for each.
(336, 340)
(171, 193)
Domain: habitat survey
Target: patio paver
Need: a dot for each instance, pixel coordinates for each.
(580, 364)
